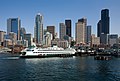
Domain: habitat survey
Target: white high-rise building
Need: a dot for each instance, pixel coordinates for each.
(62, 30)
(38, 30)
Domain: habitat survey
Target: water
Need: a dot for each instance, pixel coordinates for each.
(13, 68)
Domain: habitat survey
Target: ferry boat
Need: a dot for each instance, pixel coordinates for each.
(47, 52)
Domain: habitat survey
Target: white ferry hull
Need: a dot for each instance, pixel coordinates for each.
(43, 56)
(47, 54)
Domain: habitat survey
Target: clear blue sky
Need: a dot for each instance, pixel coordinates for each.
(56, 11)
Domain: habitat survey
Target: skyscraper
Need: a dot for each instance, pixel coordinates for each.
(62, 30)
(80, 33)
(103, 26)
(84, 20)
(105, 20)
(51, 29)
(14, 25)
(88, 34)
(38, 30)
(68, 27)
(99, 28)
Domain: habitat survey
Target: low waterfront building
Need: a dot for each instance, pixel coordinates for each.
(112, 39)
(29, 38)
(60, 43)
(7, 43)
(95, 41)
(22, 42)
(13, 37)
(104, 39)
(68, 38)
(48, 38)
(2, 33)
(63, 43)
(25, 43)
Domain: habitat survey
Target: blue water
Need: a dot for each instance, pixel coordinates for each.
(13, 68)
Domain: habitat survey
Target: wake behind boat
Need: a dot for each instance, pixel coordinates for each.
(47, 52)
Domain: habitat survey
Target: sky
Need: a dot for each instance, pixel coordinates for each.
(57, 11)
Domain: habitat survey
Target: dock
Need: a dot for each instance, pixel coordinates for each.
(102, 57)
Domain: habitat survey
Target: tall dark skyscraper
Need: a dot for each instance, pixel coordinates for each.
(88, 34)
(68, 27)
(99, 28)
(105, 21)
(103, 26)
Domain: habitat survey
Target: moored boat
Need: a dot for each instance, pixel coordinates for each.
(102, 57)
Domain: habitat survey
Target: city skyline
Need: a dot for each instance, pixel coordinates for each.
(55, 12)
